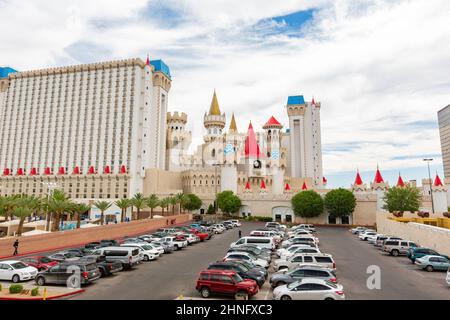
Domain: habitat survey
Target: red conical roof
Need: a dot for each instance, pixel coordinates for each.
(33, 172)
(6, 172)
(324, 180)
(123, 169)
(76, 170)
(263, 184)
(107, 169)
(272, 122)
(437, 181)
(358, 180)
(47, 171)
(148, 60)
(91, 170)
(62, 170)
(313, 102)
(304, 186)
(287, 187)
(251, 144)
(378, 177)
(400, 182)
(20, 172)
(247, 186)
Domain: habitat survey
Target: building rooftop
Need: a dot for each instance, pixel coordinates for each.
(5, 71)
(293, 100)
(159, 65)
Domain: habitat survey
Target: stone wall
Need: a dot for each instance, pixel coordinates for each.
(424, 235)
(79, 237)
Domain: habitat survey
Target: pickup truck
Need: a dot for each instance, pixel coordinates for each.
(176, 241)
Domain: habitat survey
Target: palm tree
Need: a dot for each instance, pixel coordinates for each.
(180, 199)
(164, 203)
(80, 209)
(152, 202)
(58, 204)
(22, 211)
(123, 204)
(138, 201)
(102, 206)
(173, 201)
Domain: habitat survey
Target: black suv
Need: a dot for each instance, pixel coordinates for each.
(66, 273)
(105, 267)
(244, 272)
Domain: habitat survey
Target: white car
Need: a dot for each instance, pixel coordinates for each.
(236, 223)
(177, 243)
(158, 248)
(15, 271)
(300, 259)
(295, 251)
(148, 252)
(149, 237)
(221, 226)
(448, 277)
(217, 229)
(191, 238)
(373, 239)
(283, 251)
(366, 234)
(309, 289)
(238, 255)
(357, 230)
(288, 243)
(299, 232)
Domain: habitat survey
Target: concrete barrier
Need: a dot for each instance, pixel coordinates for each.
(436, 238)
(78, 237)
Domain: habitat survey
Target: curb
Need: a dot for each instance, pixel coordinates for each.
(48, 298)
(80, 245)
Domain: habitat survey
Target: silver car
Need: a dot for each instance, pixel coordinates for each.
(285, 277)
(309, 289)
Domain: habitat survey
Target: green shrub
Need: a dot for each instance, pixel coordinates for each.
(35, 292)
(15, 288)
(1, 288)
(257, 218)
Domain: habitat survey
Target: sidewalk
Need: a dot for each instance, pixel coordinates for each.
(53, 292)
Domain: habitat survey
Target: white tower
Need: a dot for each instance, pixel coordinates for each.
(305, 139)
(273, 142)
(214, 123)
(178, 140)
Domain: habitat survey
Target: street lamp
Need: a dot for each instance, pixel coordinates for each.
(431, 183)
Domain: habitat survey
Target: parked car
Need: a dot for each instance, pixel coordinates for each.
(309, 289)
(275, 225)
(220, 225)
(80, 252)
(252, 251)
(149, 237)
(306, 226)
(39, 262)
(176, 241)
(247, 257)
(447, 279)
(148, 252)
(244, 272)
(299, 232)
(109, 243)
(373, 239)
(364, 235)
(167, 247)
(93, 245)
(133, 240)
(285, 276)
(63, 256)
(264, 242)
(217, 229)
(236, 223)
(224, 282)
(379, 242)
(15, 271)
(252, 266)
(432, 263)
(264, 233)
(357, 230)
(419, 252)
(64, 272)
(127, 256)
(201, 235)
(228, 225)
(191, 238)
(300, 240)
(322, 259)
(295, 251)
(258, 251)
(282, 251)
(397, 247)
(105, 267)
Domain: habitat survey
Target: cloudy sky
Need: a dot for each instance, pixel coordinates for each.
(380, 68)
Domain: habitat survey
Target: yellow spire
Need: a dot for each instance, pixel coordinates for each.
(233, 126)
(214, 109)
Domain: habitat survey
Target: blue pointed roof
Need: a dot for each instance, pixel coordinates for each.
(292, 100)
(5, 71)
(159, 65)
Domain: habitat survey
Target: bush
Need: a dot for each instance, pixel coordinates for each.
(15, 288)
(228, 202)
(340, 202)
(307, 204)
(210, 209)
(402, 199)
(35, 292)
(192, 202)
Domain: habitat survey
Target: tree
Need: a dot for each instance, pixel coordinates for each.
(152, 202)
(340, 202)
(402, 199)
(210, 209)
(138, 201)
(180, 198)
(58, 204)
(80, 209)
(228, 202)
(192, 202)
(102, 206)
(173, 201)
(164, 203)
(307, 204)
(22, 212)
(123, 204)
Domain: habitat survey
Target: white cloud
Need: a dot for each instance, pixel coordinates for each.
(376, 66)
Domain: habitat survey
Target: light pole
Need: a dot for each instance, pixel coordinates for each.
(431, 183)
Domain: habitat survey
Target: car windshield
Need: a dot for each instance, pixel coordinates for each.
(18, 265)
(147, 247)
(46, 260)
(293, 284)
(331, 284)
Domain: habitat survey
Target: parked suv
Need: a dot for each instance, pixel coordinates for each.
(128, 256)
(322, 259)
(397, 247)
(379, 242)
(285, 277)
(61, 273)
(245, 273)
(225, 282)
(105, 267)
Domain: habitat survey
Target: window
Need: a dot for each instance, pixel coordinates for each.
(226, 279)
(307, 259)
(324, 260)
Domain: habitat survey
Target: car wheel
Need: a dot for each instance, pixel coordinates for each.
(146, 258)
(15, 278)
(205, 292)
(429, 268)
(329, 298)
(102, 273)
(40, 281)
(395, 253)
(243, 294)
(286, 298)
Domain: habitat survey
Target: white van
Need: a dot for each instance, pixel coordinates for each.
(263, 233)
(128, 256)
(263, 242)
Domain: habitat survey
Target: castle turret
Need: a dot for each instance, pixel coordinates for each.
(214, 121)
(379, 186)
(358, 185)
(178, 140)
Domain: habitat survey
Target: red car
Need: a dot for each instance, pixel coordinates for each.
(225, 282)
(202, 235)
(40, 262)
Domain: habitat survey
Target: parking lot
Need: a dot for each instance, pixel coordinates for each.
(173, 275)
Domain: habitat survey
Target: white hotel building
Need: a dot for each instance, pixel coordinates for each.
(91, 130)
